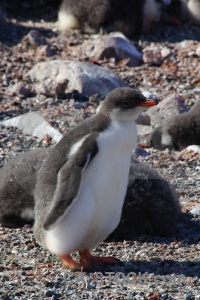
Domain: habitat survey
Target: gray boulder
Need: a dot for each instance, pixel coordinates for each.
(87, 78)
(34, 124)
(170, 106)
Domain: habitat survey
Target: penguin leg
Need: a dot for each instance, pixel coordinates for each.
(69, 263)
(88, 260)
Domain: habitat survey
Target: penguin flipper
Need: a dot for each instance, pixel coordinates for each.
(69, 182)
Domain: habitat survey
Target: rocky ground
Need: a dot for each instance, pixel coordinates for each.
(164, 267)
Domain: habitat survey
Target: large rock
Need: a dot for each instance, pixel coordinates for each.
(35, 39)
(87, 78)
(195, 210)
(34, 124)
(170, 106)
(150, 205)
(18, 89)
(114, 45)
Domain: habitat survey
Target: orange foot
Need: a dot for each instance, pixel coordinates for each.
(69, 263)
(87, 260)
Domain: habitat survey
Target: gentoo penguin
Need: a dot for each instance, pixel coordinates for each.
(82, 184)
(178, 132)
(127, 16)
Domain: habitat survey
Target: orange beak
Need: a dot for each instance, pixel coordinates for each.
(148, 102)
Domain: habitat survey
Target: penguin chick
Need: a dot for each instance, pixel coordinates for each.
(178, 132)
(81, 186)
(190, 10)
(17, 184)
(128, 16)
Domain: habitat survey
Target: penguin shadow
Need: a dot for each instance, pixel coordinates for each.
(158, 265)
(172, 33)
(174, 26)
(186, 235)
(30, 10)
(13, 33)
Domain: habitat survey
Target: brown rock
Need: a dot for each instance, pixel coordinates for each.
(152, 57)
(47, 51)
(35, 39)
(143, 119)
(19, 89)
(117, 46)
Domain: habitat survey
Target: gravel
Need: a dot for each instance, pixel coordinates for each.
(29, 272)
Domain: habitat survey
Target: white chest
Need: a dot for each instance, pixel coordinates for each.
(107, 173)
(106, 179)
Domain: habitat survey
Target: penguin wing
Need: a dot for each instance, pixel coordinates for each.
(69, 179)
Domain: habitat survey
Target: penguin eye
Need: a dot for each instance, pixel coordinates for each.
(126, 104)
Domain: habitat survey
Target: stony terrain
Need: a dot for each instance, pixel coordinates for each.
(164, 267)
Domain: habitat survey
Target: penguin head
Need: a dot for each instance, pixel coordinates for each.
(125, 104)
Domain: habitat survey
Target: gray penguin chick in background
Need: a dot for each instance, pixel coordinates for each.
(128, 16)
(184, 10)
(178, 132)
(190, 11)
(17, 184)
